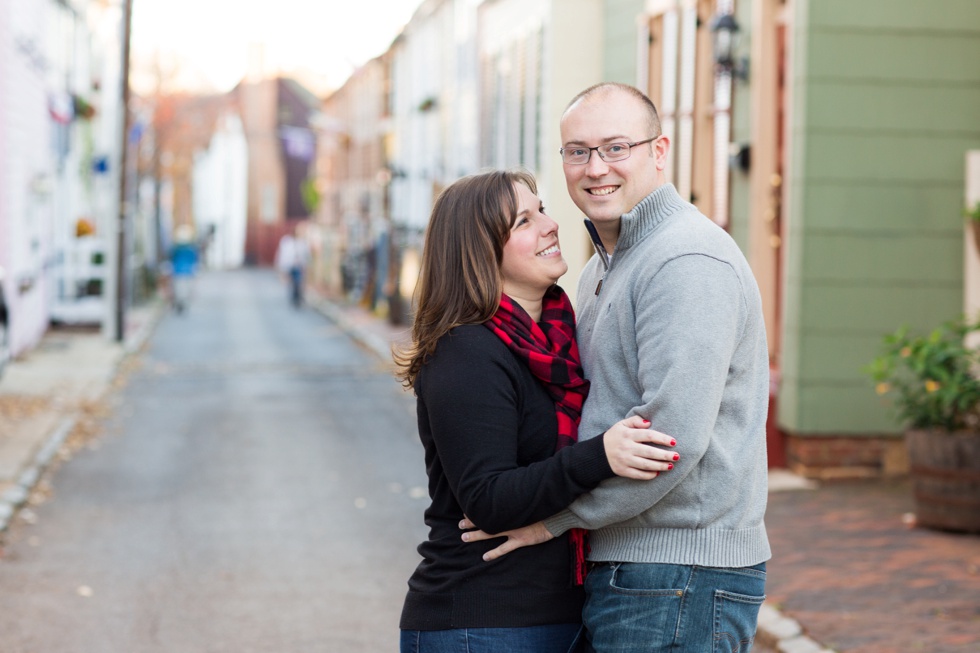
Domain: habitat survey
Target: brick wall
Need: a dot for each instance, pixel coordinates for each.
(825, 457)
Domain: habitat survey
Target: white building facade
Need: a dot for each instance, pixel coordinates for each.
(220, 193)
(59, 95)
(535, 56)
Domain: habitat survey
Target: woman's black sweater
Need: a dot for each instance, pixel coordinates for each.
(488, 427)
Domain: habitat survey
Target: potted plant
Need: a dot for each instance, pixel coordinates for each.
(933, 382)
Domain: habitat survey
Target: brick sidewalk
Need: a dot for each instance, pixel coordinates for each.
(848, 565)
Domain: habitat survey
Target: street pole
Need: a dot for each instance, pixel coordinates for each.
(121, 262)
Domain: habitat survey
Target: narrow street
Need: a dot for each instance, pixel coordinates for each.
(257, 487)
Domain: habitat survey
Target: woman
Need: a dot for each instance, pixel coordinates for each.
(495, 370)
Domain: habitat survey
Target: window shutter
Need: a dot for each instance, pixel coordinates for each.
(685, 106)
(668, 84)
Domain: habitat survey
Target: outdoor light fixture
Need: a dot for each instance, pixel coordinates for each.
(725, 34)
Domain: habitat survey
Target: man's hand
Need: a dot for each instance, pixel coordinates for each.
(517, 538)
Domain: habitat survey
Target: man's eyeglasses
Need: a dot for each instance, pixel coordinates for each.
(608, 152)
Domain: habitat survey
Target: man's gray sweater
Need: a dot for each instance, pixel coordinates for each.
(676, 335)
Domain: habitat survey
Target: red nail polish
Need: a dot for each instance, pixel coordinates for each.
(677, 456)
(673, 442)
(670, 466)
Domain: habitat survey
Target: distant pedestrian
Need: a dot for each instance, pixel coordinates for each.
(292, 257)
(183, 262)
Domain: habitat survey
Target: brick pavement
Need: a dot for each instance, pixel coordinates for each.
(849, 566)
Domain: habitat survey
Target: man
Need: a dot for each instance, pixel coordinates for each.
(292, 255)
(672, 331)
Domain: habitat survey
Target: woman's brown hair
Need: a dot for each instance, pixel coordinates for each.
(460, 282)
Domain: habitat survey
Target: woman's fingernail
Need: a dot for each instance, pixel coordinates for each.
(677, 456)
(466, 537)
(673, 442)
(670, 466)
(646, 421)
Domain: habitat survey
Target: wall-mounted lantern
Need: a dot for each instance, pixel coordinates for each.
(740, 156)
(725, 34)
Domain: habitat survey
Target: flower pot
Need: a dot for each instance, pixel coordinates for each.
(945, 473)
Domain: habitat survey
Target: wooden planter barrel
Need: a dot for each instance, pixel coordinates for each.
(945, 473)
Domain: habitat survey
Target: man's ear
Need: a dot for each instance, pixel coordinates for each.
(660, 150)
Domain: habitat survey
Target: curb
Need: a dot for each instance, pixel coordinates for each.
(783, 633)
(15, 497)
(376, 344)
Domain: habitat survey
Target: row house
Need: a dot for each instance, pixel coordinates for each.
(351, 233)
(220, 192)
(60, 137)
(831, 139)
(235, 168)
(433, 138)
(193, 170)
(279, 118)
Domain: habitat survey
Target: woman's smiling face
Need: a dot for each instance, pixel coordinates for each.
(532, 260)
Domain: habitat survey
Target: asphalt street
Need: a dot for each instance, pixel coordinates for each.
(257, 485)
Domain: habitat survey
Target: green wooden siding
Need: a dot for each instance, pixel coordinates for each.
(619, 32)
(886, 102)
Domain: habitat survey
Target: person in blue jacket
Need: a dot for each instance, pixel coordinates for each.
(183, 261)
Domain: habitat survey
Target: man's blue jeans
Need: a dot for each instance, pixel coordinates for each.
(559, 638)
(648, 608)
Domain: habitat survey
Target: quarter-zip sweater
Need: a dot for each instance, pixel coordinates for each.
(676, 335)
(489, 431)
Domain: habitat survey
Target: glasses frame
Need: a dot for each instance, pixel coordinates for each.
(598, 150)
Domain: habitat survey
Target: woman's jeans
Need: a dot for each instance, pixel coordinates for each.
(559, 638)
(634, 607)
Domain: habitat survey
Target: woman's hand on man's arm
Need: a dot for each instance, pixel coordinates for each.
(628, 448)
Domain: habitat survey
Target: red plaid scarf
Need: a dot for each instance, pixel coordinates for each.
(551, 353)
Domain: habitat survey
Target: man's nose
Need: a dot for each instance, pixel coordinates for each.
(596, 166)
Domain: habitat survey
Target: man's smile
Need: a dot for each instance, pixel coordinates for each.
(602, 190)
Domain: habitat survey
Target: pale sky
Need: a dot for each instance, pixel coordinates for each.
(206, 44)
